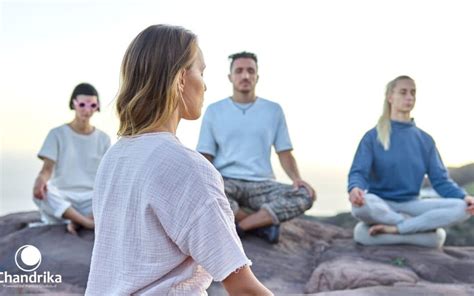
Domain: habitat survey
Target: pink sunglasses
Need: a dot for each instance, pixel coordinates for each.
(82, 105)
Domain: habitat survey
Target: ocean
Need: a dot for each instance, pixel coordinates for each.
(19, 170)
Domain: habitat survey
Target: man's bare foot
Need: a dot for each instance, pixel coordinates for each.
(381, 228)
(72, 228)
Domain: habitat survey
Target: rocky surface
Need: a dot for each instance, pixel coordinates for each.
(463, 175)
(312, 257)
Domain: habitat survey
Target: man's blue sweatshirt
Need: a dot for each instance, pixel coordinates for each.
(397, 174)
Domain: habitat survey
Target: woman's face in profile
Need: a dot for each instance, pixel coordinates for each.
(193, 88)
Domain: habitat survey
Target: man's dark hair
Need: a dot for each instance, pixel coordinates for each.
(83, 89)
(243, 54)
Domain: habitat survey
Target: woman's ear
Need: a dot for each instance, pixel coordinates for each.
(182, 80)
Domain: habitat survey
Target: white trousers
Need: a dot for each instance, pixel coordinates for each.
(56, 203)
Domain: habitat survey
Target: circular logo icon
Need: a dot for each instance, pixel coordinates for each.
(28, 258)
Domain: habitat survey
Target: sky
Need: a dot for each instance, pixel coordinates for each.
(325, 62)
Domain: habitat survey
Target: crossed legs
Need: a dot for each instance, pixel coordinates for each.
(255, 220)
(391, 222)
(272, 202)
(56, 209)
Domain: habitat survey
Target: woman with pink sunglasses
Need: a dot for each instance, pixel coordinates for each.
(71, 154)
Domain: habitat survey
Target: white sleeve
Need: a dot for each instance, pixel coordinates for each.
(196, 215)
(50, 148)
(211, 240)
(282, 140)
(207, 142)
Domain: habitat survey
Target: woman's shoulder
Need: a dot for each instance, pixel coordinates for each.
(196, 162)
(370, 135)
(65, 130)
(426, 137)
(60, 128)
(101, 134)
(58, 131)
(171, 162)
(169, 149)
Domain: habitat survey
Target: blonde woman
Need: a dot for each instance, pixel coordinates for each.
(386, 176)
(163, 223)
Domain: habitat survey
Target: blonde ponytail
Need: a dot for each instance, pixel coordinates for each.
(384, 127)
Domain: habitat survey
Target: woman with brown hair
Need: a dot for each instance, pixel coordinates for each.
(71, 154)
(163, 223)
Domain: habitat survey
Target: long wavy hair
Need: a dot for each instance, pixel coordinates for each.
(384, 128)
(149, 82)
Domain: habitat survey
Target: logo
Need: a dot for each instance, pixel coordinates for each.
(28, 258)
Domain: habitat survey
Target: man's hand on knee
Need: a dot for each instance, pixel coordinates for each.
(297, 183)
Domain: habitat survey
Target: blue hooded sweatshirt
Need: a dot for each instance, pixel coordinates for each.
(397, 174)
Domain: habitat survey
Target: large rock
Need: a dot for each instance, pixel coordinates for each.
(312, 257)
(340, 274)
(62, 253)
(461, 175)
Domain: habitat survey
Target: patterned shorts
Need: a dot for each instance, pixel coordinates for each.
(282, 201)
